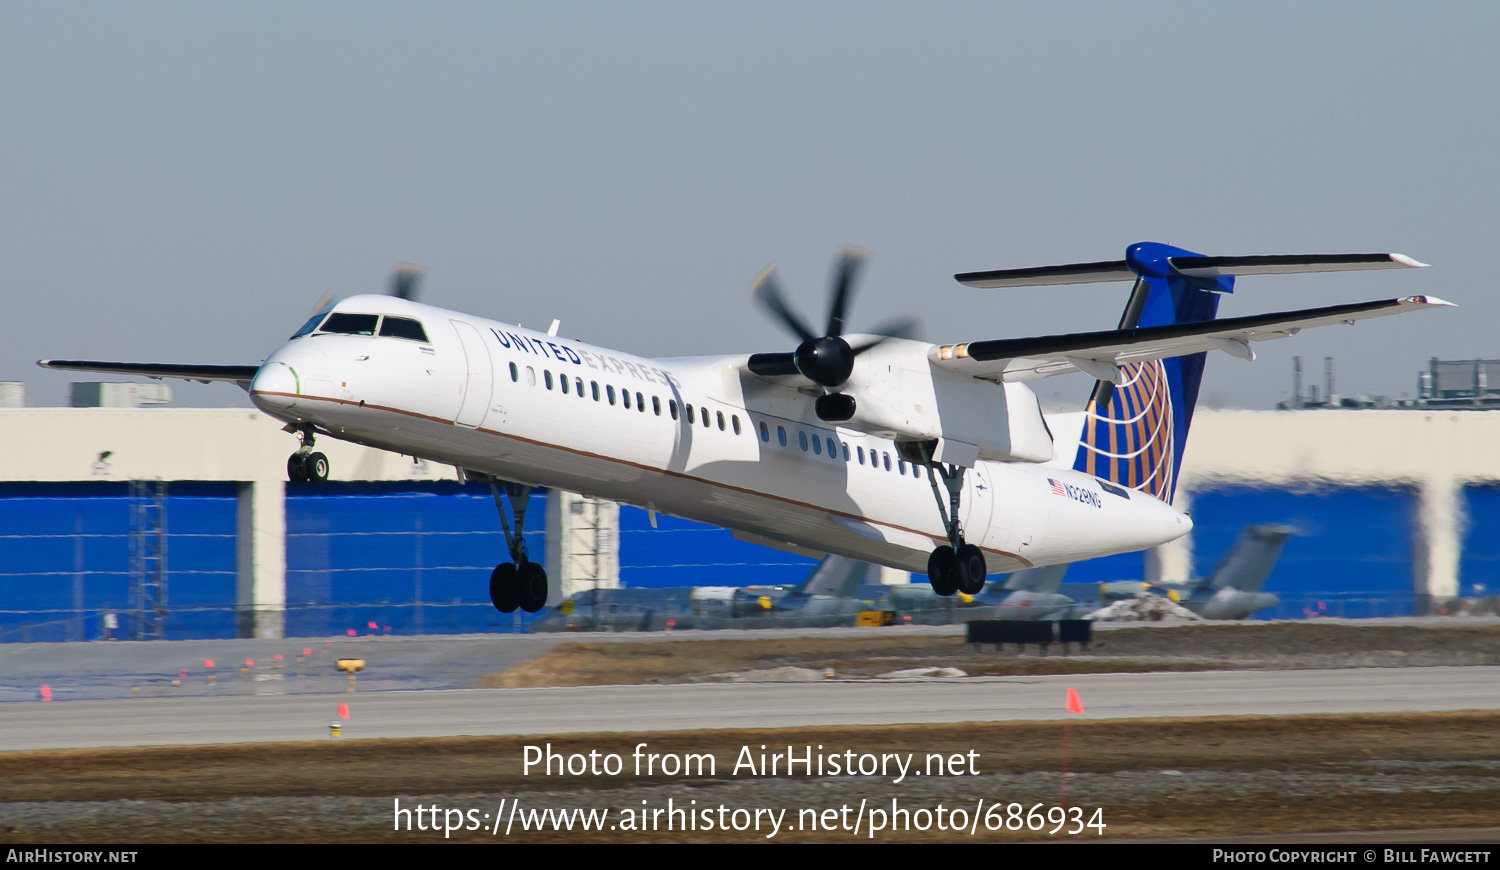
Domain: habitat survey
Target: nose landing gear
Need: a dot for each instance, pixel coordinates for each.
(306, 465)
(523, 583)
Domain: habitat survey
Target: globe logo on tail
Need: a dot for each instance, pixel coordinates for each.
(1131, 442)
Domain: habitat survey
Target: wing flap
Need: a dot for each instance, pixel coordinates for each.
(1015, 359)
(202, 373)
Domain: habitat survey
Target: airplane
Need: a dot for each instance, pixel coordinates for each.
(828, 596)
(1232, 591)
(840, 446)
(1033, 595)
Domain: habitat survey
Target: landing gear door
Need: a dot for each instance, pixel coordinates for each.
(978, 506)
(481, 377)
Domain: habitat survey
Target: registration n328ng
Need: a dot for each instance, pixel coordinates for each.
(879, 447)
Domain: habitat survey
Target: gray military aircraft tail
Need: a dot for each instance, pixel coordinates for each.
(1233, 590)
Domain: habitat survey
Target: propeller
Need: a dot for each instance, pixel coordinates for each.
(406, 278)
(827, 359)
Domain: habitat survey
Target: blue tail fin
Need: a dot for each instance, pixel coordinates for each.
(1134, 433)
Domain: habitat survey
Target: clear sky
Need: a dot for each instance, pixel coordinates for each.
(181, 182)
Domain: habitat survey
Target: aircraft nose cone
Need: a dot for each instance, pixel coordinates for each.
(275, 387)
(275, 379)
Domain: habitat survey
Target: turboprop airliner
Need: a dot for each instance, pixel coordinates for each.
(876, 446)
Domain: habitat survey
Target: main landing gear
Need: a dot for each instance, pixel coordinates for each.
(522, 583)
(305, 465)
(956, 566)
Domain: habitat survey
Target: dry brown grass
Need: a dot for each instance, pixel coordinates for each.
(492, 765)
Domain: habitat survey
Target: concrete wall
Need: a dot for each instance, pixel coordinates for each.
(1437, 453)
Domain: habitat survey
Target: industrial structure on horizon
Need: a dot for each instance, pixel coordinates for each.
(1456, 384)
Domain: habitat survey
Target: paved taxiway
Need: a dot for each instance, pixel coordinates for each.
(124, 669)
(117, 669)
(545, 711)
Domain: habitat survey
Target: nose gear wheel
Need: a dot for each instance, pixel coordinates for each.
(307, 465)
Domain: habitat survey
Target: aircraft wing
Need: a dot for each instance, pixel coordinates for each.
(203, 373)
(1100, 353)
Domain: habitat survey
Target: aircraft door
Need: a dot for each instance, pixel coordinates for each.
(481, 376)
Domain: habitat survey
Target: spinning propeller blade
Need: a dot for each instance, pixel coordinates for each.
(828, 359)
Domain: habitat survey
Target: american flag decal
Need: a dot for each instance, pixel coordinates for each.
(1057, 488)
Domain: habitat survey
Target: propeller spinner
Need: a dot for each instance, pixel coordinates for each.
(828, 359)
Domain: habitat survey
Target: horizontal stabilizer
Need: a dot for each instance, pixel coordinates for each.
(202, 373)
(1289, 264)
(1025, 358)
(1192, 266)
(1069, 273)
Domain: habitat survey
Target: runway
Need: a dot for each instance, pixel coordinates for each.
(549, 711)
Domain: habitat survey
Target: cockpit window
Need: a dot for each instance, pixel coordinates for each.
(350, 324)
(403, 327)
(311, 324)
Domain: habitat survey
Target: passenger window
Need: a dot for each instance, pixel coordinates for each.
(610, 391)
(720, 416)
(846, 450)
(640, 403)
(656, 405)
(515, 373)
(530, 376)
(350, 324)
(594, 386)
(403, 327)
(833, 452)
(901, 466)
(625, 399)
(735, 419)
(861, 455)
(817, 445)
(578, 385)
(916, 471)
(765, 433)
(547, 376)
(672, 408)
(781, 435)
(887, 457)
(705, 417)
(691, 418)
(802, 440)
(562, 383)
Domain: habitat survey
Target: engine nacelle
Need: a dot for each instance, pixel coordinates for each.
(896, 392)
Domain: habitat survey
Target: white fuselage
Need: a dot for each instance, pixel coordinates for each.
(489, 397)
